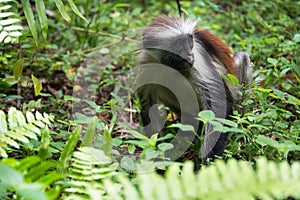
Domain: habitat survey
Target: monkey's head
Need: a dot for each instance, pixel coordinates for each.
(171, 40)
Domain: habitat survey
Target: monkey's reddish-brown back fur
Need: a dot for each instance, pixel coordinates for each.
(214, 46)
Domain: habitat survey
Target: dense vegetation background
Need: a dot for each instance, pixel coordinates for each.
(66, 124)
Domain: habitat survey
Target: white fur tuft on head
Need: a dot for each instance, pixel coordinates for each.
(165, 27)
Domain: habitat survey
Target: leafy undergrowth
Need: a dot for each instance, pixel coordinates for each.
(63, 91)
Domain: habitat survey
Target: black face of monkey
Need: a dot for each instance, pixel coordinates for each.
(176, 53)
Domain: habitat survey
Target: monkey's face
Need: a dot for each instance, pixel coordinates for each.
(179, 54)
(175, 52)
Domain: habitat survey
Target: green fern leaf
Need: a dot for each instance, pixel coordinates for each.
(16, 128)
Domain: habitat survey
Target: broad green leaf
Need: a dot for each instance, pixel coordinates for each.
(263, 140)
(183, 127)
(153, 139)
(40, 170)
(166, 137)
(9, 176)
(122, 5)
(296, 37)
(165, 146)
(28, 162)
(61, 7)
(227, 122)
(68, 150)
(18, 68)
(37, 85)
(32, 191)
(290, 145)
(116, 142)
(40, 7)
(231, 130)
(206, 116)
(131, 148)
(217, 126)
(49, 179)
(75, 10)
(45, 142)
(233, 79)
(150, 153)
(127, 163)
(88, 137)
(273, 61)
(140, 143)
(135, 134)
(30, 20)
(107, 147)
(264, 90)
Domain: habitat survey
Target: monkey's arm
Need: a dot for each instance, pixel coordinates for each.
(152, 122)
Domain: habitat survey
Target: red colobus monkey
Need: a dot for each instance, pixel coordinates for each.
(195, 61)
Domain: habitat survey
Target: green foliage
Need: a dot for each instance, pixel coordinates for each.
(219, 125)
(52, 66)
(232, 180)
(13, 180)
(16, 128)
(153, 148)
(92, 174)
(30, 177)
(41, 11)
(10, 27)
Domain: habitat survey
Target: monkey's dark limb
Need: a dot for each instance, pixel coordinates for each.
(152, 120)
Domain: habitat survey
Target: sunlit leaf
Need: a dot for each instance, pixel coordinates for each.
(61, 7)
(37, 85)
(18, 68)
(40, 7)
(30, 20)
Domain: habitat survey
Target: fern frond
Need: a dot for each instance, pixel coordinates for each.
(232, 180)
(10, 26)
(15, 128)
(89, 167)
